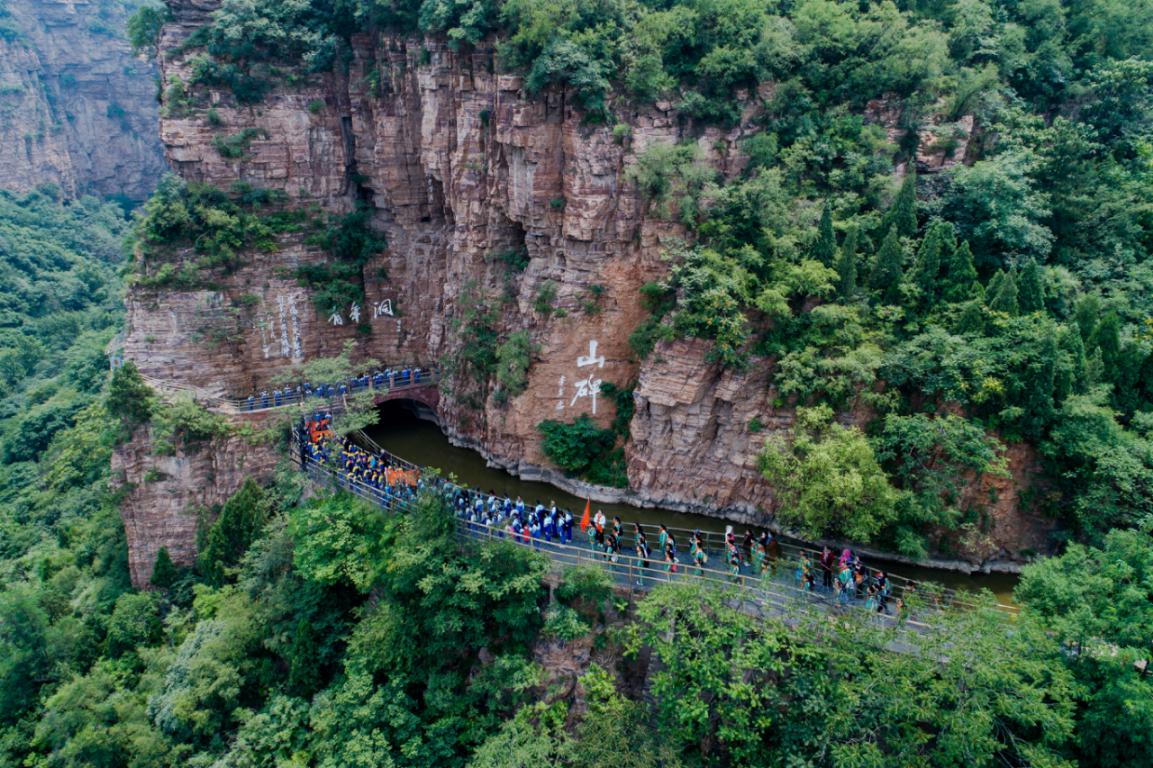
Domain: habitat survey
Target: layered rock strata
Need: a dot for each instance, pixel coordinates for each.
(77, 109)
(460, 165)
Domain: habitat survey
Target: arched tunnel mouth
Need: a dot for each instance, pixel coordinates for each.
(404, 411)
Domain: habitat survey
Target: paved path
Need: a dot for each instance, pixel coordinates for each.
(778, 593)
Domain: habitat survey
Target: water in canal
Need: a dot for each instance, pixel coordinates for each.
(422, 442)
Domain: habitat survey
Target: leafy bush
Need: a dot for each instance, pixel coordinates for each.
(351, 242)
(576, 446)
(236, 146)
(544, 303)
(564, 624)
(184, 423)
(214, 224)
(513, 358)
(828, 480)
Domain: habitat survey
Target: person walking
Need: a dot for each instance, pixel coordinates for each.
(826, 565)
(759, 560)
(734, 559)
(642, 545)
(700, 557)
(566, 528)
(773, 549)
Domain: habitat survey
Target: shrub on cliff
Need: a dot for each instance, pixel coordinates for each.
(829, 483)
(129, 399)
(351, 242)
(216, 225)
(513, 358)
(577, 445)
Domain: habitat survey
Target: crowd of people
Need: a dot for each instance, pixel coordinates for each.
(758, 555)
(381, 379)
(390, 482)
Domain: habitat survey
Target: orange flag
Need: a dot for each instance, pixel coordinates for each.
(585, 519)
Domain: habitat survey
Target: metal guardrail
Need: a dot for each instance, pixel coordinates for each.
(774, 593)
(714, 544)
(291, 398)
(713, 541)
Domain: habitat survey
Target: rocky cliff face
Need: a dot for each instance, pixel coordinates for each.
(459, 165)
(77, 110)
(171, 493)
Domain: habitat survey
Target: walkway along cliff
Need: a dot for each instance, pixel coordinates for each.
(503, 214)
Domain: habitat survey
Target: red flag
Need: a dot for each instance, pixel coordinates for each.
(585, 519)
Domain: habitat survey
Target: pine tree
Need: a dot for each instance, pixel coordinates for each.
(825, 248)
(972, 318)
(303, 665)
(889, 268)
(1087, 314)
(1074, 349)
(1030, 292)
(1107, 338)
(1038, 382)
(847, 266)
(902, 214)
(934, 247)
(164, 573)
(1002, 293)
(129, 397)
(240, 522)
(1094, 368)
(960, 275)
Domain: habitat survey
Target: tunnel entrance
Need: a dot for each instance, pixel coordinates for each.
(403, 412)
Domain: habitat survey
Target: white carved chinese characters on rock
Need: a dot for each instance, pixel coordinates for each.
(587, 383)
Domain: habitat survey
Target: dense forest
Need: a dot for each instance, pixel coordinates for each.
(1008, 299)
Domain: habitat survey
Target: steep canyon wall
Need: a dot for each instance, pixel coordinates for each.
(77, 109)
(459, 165)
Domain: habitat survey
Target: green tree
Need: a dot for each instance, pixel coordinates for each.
(999, 211)
(828, 480)
(847, 266)
(974, 317)
(960, 276)
(902, 214)
(936, 248)
(134, 623)
(129, 399)
(164, 572)
(1108, 471)
(931, 456)
(1086, 314)
(825, 246)
(1002, 293)
(1107, 338)
(888, 271)
(1030, 289)
(240, 521)
(25, 663)
(304, 674)
(1097, 602)
(338, 541)
(144, 27)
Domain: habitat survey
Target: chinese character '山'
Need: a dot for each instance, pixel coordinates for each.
(591, 358)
